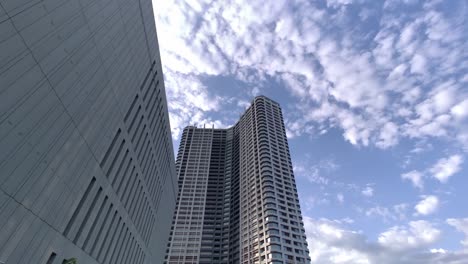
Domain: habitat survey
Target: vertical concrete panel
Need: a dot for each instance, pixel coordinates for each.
(69, 72)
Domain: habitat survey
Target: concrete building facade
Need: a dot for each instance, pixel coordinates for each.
(237, 200)
(86, 162)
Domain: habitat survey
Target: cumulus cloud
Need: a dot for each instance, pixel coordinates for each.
(442, 170)
(189, 101)
(428, 205)
(323, 174)
(309, 202)
(316, 172)
(331, 241)
(368, 191)
(338, 3)
(340, 198)
(460, 111)
(446, 167)
(388, 135)
(415, 235)
(438, 250)
(415, 177)
(397, 212)
(405, 78)
(343, 77)
(461, 225)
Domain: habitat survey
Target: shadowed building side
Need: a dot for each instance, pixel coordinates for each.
(86, 162)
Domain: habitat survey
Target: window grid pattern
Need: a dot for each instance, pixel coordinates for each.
(246, 201)
(193, 168)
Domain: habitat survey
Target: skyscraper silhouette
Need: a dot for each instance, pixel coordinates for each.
(237, 200)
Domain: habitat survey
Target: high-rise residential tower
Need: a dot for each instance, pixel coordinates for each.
(237, 200)
(86, 161)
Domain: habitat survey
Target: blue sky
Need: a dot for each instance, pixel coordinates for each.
(375, 100)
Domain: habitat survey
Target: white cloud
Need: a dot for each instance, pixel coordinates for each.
(395, 213)
(418, 64)
(446, 167)
(377, 89)
(324, 238)
(438, 250)
(243, 103)
(368, 191)
(383, 212)
(338, 3)
(417, 234)
(415, 177)
(388, 136)
(428, 205)
(461, 225)
(342, 78)
(315, 171)
(460, 110)
(400, 210)
(340, 198)
(442, 170)
(309, 202)
(330, 241)
(444, 99)
(189, 101)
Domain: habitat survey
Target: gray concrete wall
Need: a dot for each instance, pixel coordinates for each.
(86, 160)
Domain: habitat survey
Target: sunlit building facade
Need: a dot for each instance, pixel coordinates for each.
(87, 169)
(237, 200)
